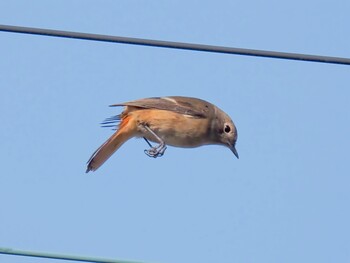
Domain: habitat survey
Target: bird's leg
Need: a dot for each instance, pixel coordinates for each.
(158, 150)
(149, 144)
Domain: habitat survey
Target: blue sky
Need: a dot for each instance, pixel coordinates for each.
(285, 200)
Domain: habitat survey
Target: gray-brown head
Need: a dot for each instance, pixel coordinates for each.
(224, 131)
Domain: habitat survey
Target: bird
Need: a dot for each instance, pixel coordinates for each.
(175, 120)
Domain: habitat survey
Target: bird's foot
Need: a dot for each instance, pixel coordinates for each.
(157, 151)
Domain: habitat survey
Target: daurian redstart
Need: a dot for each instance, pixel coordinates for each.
(177, 121)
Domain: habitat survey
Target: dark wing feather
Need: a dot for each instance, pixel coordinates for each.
(184, 105)
(111, 122)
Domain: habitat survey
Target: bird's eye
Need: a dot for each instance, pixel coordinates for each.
(227, 129)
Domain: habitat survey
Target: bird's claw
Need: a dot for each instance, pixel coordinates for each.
(155, 151)
(158, 150)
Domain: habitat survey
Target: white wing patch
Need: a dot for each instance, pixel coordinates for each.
(170, 99)
(189, 116)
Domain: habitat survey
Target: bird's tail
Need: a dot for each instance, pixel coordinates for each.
(124, 133)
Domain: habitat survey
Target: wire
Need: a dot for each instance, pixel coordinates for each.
(9, 251)
(175, 45)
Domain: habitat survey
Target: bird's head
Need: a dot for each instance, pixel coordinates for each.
(225, 131)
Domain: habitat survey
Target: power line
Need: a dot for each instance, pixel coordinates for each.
(9, 251)
(175, 45)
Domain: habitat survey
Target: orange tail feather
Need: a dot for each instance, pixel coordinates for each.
(124, 133)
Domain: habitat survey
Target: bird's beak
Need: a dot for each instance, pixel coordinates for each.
(233, 149)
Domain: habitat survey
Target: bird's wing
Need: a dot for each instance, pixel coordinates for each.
(184, 105)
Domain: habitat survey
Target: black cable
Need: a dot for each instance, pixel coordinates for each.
(15, 252)
(175, 45)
